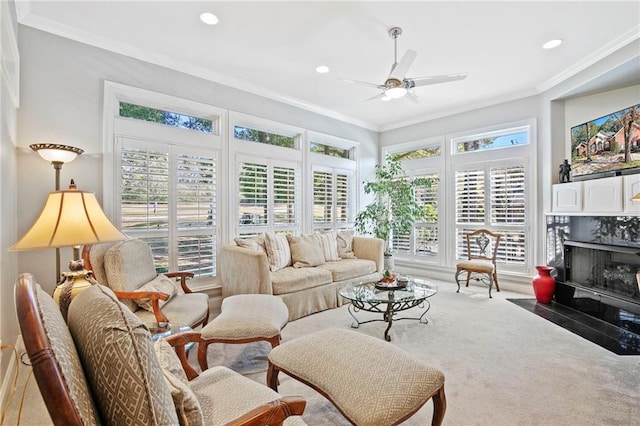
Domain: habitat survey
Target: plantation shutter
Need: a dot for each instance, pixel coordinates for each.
(284, 196)
(470, 190)
(323, 198)
(169, 201)
(196, 213)
(507, 195)
(343, 200)
(252, 208)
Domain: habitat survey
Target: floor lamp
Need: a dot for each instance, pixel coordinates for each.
(70, 218)
(57, 155)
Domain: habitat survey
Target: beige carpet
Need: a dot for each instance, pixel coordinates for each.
(503, 366)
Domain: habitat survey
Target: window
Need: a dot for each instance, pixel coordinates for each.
(332, 198)
(254, 135)
(423, 238)
(268, 197)
(429, 151)
(168, 118)
(168, 198)
(493, 197)
(332, 151)
(491, 140)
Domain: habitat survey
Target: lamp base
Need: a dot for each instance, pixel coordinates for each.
(72, 283)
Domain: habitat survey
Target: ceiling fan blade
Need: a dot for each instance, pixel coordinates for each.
(373, 98)
(401, 69)
(436, 79)
(412, 96)
(362, 83)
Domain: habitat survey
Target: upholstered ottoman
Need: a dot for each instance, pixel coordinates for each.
(370, 381)
(244, 318)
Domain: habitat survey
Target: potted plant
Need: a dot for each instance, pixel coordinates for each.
(394, 209)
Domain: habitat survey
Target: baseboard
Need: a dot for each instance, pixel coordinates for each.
(12, 370)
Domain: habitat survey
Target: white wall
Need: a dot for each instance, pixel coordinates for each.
(62, 103)
(8, 197)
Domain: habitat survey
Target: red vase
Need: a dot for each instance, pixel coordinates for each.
(544, 284)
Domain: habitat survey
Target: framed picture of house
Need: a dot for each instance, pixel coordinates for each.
(607, 146)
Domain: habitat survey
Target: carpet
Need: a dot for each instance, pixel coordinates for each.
(503, 365)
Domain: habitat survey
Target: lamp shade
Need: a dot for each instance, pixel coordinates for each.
(54, 152)
(69, 218)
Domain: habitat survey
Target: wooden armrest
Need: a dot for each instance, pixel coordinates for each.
(155, 297)
(183, 279)
(272, 413)
(178, 341)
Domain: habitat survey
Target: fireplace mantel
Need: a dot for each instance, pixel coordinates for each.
(597, 197)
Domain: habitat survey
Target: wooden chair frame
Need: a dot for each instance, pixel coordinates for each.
(479, 237)
(52, 382)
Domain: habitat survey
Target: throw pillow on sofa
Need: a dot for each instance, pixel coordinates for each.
(256, 243)
(305, 251)
(160, 283)
(278, 251)
(345, 243)
(329, 244)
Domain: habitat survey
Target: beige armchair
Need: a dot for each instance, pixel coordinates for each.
(78, 368)
(127, 268)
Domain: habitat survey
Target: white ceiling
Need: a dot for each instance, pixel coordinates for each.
(273, 48)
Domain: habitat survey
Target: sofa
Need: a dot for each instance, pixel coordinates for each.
(304, 286)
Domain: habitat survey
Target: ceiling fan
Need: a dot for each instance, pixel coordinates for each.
(397, 84)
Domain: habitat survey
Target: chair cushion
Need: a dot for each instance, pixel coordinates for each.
(182, 309)
(344, 240)
(329, 243)
(339, 363)
(160, 283)
(278, 251)
(347, 269)
(186, 403)
(226, 395)
(96, 257)
(476, 266)
(119, 360)
(128, 266)
(290, 280)
(247, 316)
(66, 356)
(305, 251)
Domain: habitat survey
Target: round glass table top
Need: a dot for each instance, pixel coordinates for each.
(417, 289)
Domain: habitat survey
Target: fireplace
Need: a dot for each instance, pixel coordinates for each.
(597, 259)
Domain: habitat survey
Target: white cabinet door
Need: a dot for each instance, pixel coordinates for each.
(631, 188)
(567, 197)
(603, 195)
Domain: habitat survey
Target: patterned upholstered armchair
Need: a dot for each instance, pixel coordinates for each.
(127, 268)
(79, 368)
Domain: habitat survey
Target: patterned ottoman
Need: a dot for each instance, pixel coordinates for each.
(370, 381)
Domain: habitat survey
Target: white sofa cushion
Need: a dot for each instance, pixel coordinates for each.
(329, 243)
(347, 269)
(290, 280)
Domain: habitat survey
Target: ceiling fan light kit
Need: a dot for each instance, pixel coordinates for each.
(397, 85)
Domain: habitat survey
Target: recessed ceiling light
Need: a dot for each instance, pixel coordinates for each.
(322, 69)
(552, 43)
(209, 18)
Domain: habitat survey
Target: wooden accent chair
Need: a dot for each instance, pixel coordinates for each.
(482, 250)
(127, 268)
(78, 368)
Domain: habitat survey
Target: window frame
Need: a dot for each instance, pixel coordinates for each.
(115, 126)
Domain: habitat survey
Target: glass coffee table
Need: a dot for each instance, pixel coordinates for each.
(375, 297)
